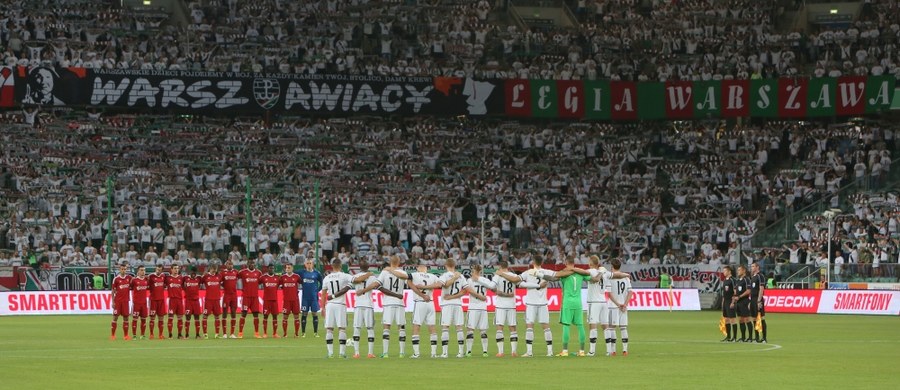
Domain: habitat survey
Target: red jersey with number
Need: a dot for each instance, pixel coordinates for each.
(122, 286)
(229, 282)
(250, 280)
(140, 287)
(270, 287)
(192, 287)
(175, 286)
(213, 284)
(290, 287)
(157, 286)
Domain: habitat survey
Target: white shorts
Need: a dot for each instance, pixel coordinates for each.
(598, 313)
(335, 315)
(616, 317)
(423, 313)
(363, 317)
(394, 315)
(478, 319)
(505, 317)
(452, 315)
(539, 314)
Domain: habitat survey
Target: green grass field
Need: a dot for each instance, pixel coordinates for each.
(667, 350)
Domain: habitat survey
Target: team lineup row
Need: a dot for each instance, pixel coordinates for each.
(608, 297)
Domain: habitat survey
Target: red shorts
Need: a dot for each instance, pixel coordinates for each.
(270, 307)
(291, 307)
(140, 309)
(158, 307)
(212, 306)
(176, 306)
(229, 304)
(192, 307)
(121, 308)
(251, 304)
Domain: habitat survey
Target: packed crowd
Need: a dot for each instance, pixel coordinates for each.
(615, 39)
(425, 189)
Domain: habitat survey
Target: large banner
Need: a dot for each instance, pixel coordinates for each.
(833, 301)
(332, 94)
(99, 302)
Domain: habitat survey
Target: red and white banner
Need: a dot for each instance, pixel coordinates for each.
(833, 301)
(99, 302)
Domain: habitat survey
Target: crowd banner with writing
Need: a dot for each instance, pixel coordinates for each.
(333, 94)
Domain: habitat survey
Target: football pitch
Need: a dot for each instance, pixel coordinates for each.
(667, 350)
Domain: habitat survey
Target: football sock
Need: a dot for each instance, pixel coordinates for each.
(371, 333)
(743, 330)
(402, 339)
(169, 324)
(112, 326)
(385, 341)
(125, 326)
(153, 326)
(159, 326)
(133, 326)
(529, 340)
(565, 339)
(733, 331)
(329, 341)
(356, 346)
(434, 339)
(581, 337)
(144, 326)
(728, 331)
(624, 339)
(265, 325)
(460, 341)
(484, 341)
(548, 337)
(470, 339)
(296, 326)
(256, 324)
(206, 326)
(180, 325)
(316, 323)
(445, 339)
(197, 326)
(765, 329)
(342, 339)
(284, 324)
(415, 343)
(233, 323)
(243, 321)
(610, 335)
(593, 340)
(513, 342)
(216, 324)
(303, 323)
(499, 341)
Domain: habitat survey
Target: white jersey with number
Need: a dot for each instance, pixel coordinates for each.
(480, 286)
(423, 279)
(394, 284)
(618, 290)
(365, 300)
(507, 287)
(333, 283)
(597, 291)
(535, 296)
(452, 288)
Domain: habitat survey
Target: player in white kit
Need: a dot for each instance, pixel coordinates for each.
(535, 303)
(505, 309)
(364, 313)
(619, 296)
(598, 310)
(454, 287)
(422, 283)
(334, 289)
(478, 317)
(393, 280)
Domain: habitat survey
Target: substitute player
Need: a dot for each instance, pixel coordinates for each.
(270, 283)
(175, 289)
(571, 279)
(742, 302)
(477, 314)
(364, 314)
(192, 306)
(249, 278)
(392, 280)
(334, 289)
(453, 287)
(757, 304)
(312, 283)
(140, 287)
(505, 308)
(728, 305)
(229, 297)
(535, 303)
(157, 300)
(121, 294)
(619, 297)
(212, 305)
(422, 283)
(290, 291)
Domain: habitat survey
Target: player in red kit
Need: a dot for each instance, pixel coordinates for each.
(140, 287)
(212, 305)
(121, 294)
(192, 303)
(250, 290)
(229, 296)
(270, 283)
(290, 290)
(175, 288)
(157, 300)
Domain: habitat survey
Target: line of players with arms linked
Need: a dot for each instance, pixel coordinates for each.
(608, 296)
(743, 305)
